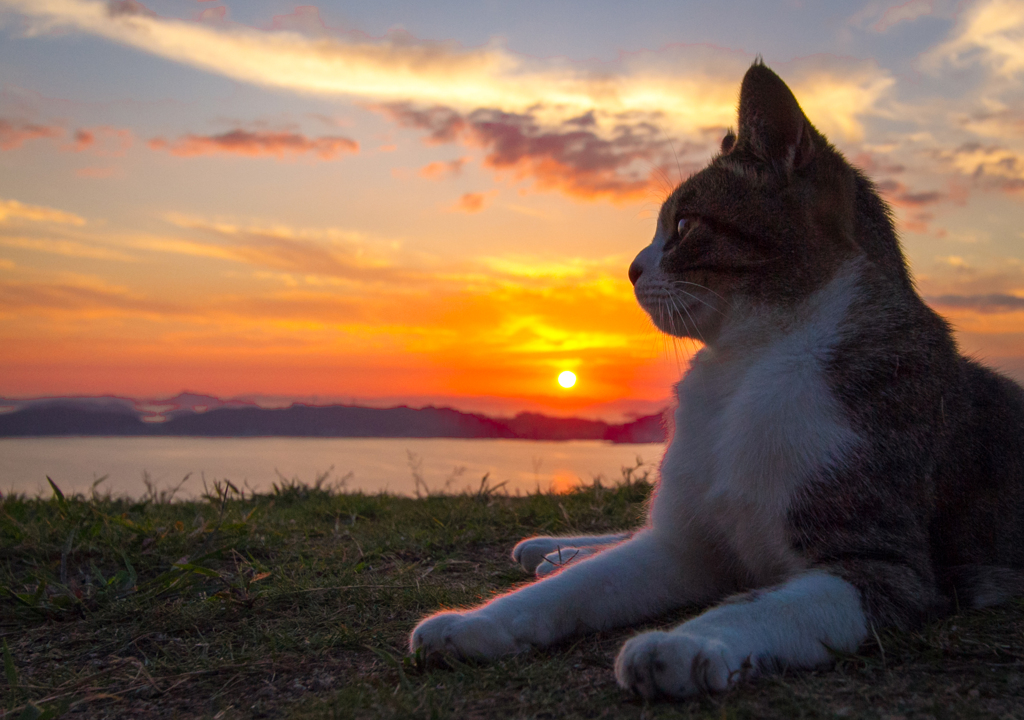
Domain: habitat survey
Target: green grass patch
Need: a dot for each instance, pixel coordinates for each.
(298, 603)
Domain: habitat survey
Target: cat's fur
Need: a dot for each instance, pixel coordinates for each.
(836, 464)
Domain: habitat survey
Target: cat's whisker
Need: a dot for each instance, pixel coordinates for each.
(666, 182)
(702, 301)
(692, 321)
(698, 285)
(679, 170)
(664, 316)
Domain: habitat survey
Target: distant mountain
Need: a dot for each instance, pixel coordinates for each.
(68, 418)
(192, 418)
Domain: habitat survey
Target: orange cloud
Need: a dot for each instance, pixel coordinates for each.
(471, 202)
(78, 297)
(437, 170)
(14, 210)
(97, 173)
(257, 144)
(102, 140)
(82, 140)
(13, 134)
(323, 253)
(67, 248)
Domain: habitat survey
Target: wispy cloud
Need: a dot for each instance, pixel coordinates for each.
(988, 303)
(101, 140)
(307, 58)
(327, 252)
(344, 260)
(900, 195)
(67, 248)
(14, 210)
(964, 121)
(98, 173)
(989, 32)
(78, 296)
(988, 165)
(13, 133)
(257, 144)
(910, 10)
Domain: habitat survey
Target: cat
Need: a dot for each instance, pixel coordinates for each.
(836, 466)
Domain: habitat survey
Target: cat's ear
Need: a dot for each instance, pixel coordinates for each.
(728, 141)
(771, 122)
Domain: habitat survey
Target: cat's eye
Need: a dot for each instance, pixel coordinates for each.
(680, 228)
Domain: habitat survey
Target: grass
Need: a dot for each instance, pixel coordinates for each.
(298, 603)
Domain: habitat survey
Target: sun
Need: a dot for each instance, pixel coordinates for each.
(567, 379)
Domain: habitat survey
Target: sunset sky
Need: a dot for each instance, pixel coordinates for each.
(407, 202)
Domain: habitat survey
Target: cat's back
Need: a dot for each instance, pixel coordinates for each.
(979, 512)
(941, 450)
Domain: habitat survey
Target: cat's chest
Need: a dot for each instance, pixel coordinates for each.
(750, 431)
(755, 431)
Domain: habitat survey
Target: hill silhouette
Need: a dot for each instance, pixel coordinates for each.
(89, 417)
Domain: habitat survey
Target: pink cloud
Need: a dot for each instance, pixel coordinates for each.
(13, 134)
(471, 202)
(101, 140)
(444, 124)
(214, 14)
(902, 13)
(437, 170)
(97, 173)
(82, 140)
(128, 7)
(257, 144)
(896, 193)
(573, 158)
(304, 19)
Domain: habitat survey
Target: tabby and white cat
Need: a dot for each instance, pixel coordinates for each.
(836, 464)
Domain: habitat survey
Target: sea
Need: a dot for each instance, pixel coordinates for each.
(186, 468)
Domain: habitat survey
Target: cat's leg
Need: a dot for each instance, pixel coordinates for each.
(791, 625)
(632, 581)
(544, 555)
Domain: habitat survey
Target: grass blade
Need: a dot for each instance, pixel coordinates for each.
(133, 577)
(31, 712)
(9, 669)
(56, 492)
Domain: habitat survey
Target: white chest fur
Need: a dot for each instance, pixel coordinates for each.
(755, 422)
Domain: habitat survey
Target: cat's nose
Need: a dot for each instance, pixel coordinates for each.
(635, 271)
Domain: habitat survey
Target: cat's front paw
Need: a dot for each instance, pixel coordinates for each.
(678, 665)
(464, 635)
(560, 558)
(530, 552)
(544, 555)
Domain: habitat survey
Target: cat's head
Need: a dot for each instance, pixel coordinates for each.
(765, 224)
